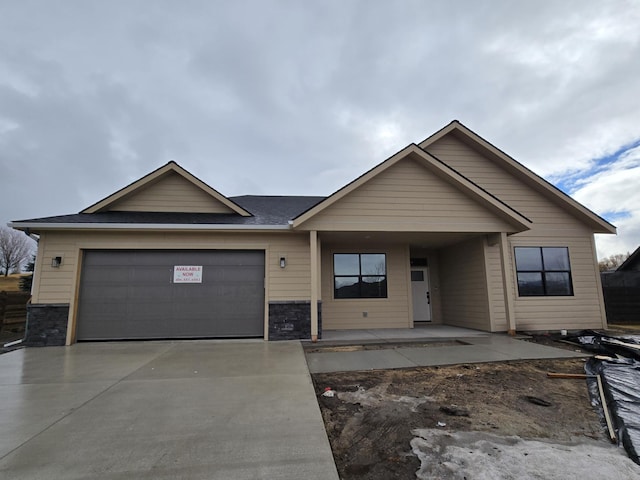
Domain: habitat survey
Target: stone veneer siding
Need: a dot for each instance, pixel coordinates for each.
(292, 320)
(46, 325)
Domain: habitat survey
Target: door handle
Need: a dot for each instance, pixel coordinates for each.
(428, 298)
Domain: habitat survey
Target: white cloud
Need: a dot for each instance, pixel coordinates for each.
(615, 191)
(281, 97)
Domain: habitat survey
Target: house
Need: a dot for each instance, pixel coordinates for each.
(449, 231)
(621, 289)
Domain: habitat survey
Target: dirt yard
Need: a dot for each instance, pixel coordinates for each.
(371, 417)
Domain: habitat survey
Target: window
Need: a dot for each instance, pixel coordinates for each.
(543, 271)
(360, 275)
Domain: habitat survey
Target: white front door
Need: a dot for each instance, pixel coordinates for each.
(421, 295)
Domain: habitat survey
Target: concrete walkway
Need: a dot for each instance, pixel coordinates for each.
(161, 410)
(472, 347)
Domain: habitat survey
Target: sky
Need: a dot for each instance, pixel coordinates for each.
(299, 98)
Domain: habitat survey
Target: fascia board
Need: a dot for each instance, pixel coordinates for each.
(156, 174)
(35, 226)
(543, 186)
(362, 179)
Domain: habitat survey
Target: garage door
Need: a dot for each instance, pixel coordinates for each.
(139, 294)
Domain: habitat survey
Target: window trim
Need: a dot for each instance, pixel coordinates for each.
(542, 273)
(360, 275)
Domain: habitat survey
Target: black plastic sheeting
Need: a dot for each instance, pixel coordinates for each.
(620, 375)
(626, 346)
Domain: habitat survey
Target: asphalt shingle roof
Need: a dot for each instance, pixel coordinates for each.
(266, 210)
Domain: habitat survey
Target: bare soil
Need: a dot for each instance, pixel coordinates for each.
(370, 418)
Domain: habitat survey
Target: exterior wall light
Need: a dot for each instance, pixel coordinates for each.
(283, 262)
(56, 262)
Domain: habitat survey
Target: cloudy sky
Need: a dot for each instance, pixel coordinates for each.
(300, 97)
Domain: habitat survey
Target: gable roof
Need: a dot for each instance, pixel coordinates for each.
(268, 212)
(167, 169)
(475, 141)
(438, 168)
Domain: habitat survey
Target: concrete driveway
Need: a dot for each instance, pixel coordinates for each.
(160, 410)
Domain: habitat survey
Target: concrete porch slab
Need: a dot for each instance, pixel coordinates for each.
(392, 335)
(475, 349)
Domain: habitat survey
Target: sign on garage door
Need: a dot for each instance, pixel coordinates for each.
(135, 294)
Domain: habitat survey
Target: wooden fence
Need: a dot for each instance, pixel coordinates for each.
(13, 307)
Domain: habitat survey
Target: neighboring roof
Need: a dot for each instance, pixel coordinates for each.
(171, 167)
(631, 263)
(599, 224)
(435, 166)
(267, 211)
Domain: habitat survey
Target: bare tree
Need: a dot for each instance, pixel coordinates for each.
(612, 261)
(15, 248)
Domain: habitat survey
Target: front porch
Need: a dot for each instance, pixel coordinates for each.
(451, 283)
(420, 333)
(354, 350)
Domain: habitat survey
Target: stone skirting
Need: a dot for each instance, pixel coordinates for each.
(291, 320)
(46, 324)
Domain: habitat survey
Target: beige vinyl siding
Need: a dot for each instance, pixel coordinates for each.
(552, 226)
(495, 289)
(582, 310)
(57, 285)
(463, 288)
(407, 197)
(170, 193)
(347, 313)
(545, 214)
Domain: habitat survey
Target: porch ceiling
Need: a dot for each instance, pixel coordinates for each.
(415, 239)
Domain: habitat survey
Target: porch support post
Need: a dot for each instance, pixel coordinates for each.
(315, 269)
(507, 284)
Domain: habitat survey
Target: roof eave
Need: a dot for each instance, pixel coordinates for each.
(38, 226)
(598, 224)
(510, 215)
(171, 166)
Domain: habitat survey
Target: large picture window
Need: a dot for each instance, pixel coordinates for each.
(360, 275)
(543, 271)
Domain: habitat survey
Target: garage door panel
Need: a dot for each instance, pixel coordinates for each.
(131, 295)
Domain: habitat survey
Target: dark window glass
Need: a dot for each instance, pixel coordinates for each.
(557, 283)
(346, 264)
(373, 264)
(417, 276)
(543, 271)
(528, 258)
(360, 275)
(530, 284)
(555, 258)
(346, 287)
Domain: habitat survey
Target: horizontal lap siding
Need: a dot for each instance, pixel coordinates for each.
(462, 285)
(346, 313)
(582, 310)
(55, 285)
(552, 226)
(171, 193)
(544, 213)
(406, 197)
